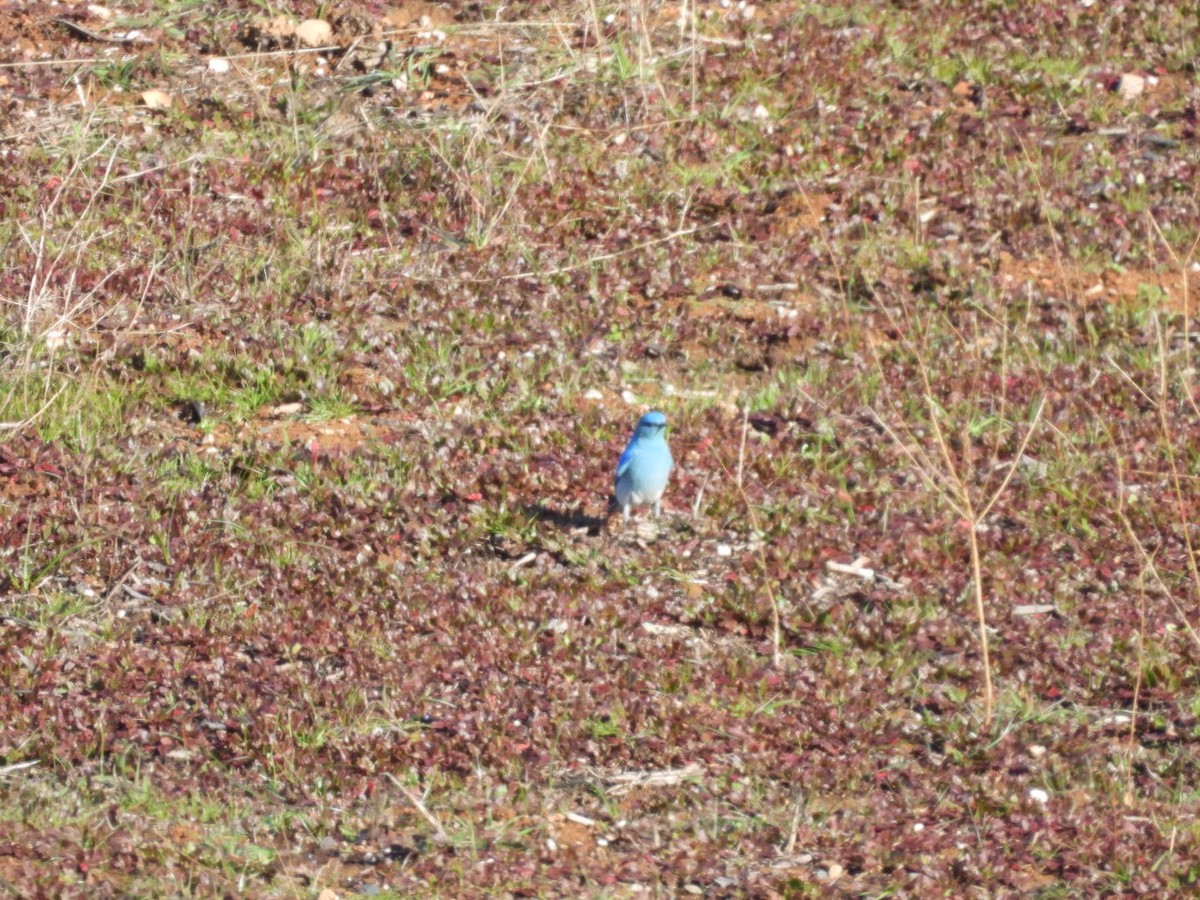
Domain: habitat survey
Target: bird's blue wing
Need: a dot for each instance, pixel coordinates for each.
(625, 460)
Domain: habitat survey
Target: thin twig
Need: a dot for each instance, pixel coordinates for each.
(1037, 417)
(419, 806)
(18, 767)
(29, 420)
(776, 623)
(1185, 267)
(742, 448)
(797, 812)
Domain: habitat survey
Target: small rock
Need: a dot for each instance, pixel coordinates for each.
(1032, 609)
(1130, 86)
(155, 99)
(314, 32)
(218, 65)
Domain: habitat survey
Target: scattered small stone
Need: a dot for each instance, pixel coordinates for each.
(724, 550)
(1037, 795)
(1130, 86)
(218, 65)
(155, 99)
(314, 32)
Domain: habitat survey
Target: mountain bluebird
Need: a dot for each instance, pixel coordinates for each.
(643, 468)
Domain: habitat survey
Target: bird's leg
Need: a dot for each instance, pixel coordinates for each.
(657, 508)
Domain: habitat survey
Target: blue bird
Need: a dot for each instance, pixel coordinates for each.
(644, 467)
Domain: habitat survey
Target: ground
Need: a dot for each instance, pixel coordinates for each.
(320, 341)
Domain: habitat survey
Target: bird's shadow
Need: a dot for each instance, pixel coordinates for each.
(567, 520)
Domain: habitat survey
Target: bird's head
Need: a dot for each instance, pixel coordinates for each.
(652, 424)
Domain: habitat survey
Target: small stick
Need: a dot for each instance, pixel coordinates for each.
(420, 806)
(742, 448)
